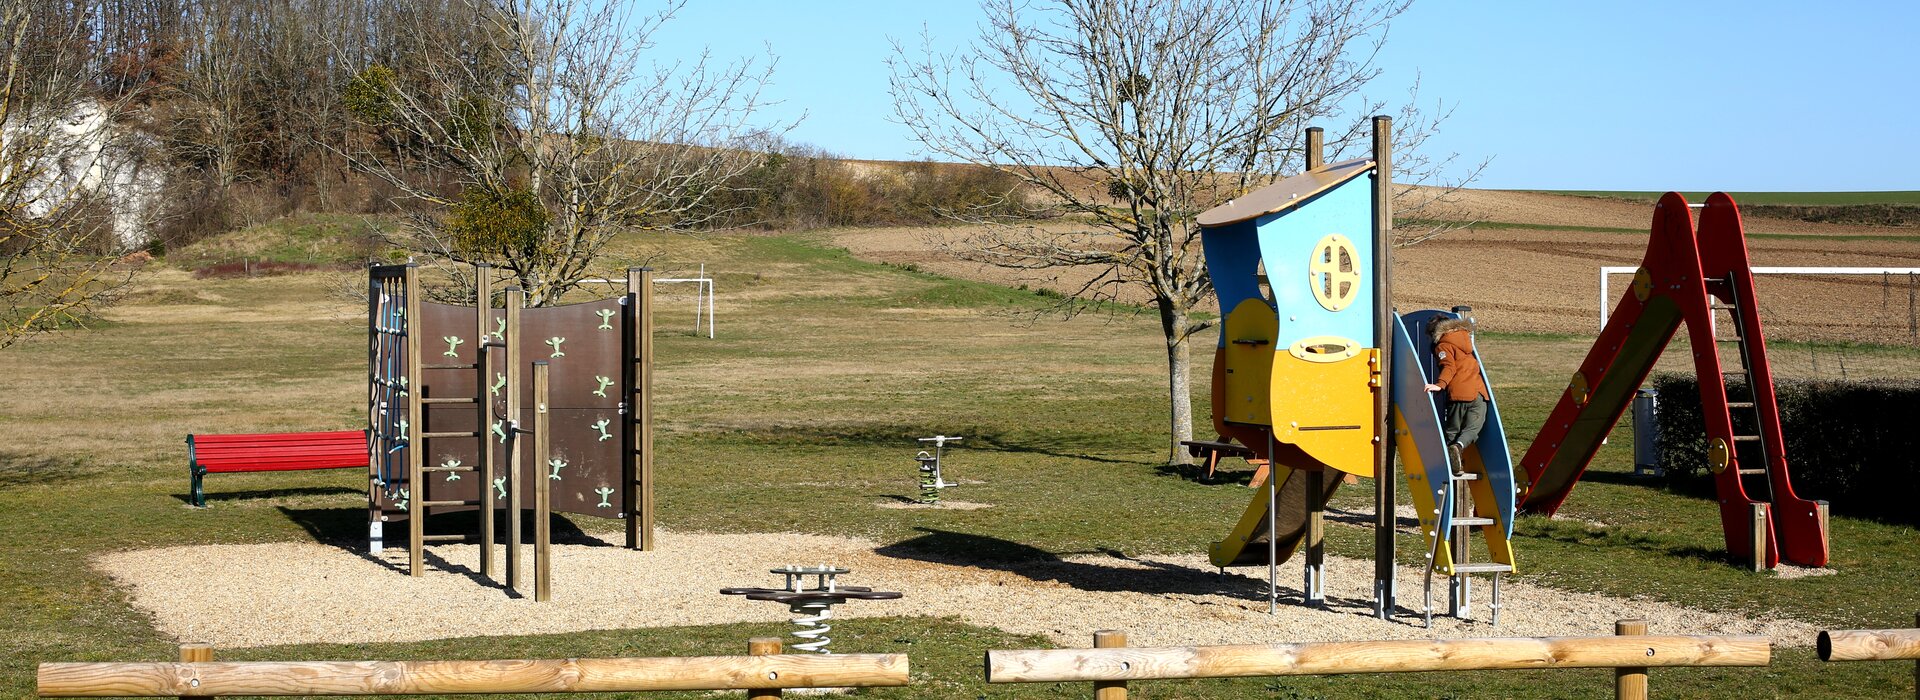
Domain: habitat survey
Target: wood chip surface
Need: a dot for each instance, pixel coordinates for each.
(290, 593)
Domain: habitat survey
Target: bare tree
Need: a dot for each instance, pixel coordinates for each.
(62, 166)
(1132, 116)
(552, 135)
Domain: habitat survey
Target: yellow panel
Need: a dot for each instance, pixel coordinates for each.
(1425, 498)
(1326, 409)
(1498, 548)
(1251, 329)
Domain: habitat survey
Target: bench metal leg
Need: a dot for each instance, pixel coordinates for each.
(198, 497)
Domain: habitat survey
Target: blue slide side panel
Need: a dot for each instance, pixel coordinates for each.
(1287, 243)
(1423, 424)
(1495, 457)
(1233, 259)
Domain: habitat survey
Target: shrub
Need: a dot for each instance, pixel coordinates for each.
(1851, 443)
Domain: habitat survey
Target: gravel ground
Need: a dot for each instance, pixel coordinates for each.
(287, 593)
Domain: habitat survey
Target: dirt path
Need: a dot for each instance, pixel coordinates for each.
(289, 593)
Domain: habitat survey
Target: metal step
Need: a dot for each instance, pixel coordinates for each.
(456, 399)
(447, 469)
(1739, 404)
(1751, 472)
(465, 366)
(462, 434)
(443, 538)
(445, 504)
(1471, 521)
(1734, 339)
(1467, 476)
(1485, 568)
(1746, 438)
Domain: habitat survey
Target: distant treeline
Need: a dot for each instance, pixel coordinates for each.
(250, 103)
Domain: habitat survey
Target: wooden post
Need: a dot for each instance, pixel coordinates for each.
(1384, 480)
(1109, 690)
(1758, 528)
(195, 653)
(1916, 661)
(483, 410)
(1316, 150)
(1820, 511)
(542, 490)
(763, 646)
(1630, 682)
(416, 448)
(1315, 592)
(516, 298)
(640, 508)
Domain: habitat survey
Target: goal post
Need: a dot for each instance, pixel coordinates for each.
(1607, 271)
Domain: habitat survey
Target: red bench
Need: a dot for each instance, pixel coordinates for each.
(271, 452)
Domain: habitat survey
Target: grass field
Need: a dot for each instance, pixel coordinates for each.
(795, 420)
(1909, 197)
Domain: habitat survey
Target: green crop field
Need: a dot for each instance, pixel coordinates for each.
(1905, 197)
(823, 363)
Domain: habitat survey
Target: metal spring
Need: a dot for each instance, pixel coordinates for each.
(813, 628)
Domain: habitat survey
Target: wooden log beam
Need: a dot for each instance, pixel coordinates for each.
(1397, 656)
(335, 678)
(1869, 645)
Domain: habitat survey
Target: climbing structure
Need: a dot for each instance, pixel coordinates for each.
(1297, 270)
(1706, 281)
(448, 410)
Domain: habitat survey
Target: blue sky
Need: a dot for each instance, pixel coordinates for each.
(1741, 96)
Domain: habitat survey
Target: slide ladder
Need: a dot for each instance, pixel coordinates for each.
(1454, 501)
(1691, 278)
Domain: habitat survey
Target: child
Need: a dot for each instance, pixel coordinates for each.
(1460, 377)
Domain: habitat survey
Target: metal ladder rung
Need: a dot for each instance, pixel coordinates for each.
(1739, 404)
(443, 538)
(444, 504)
(1746, 438)
(1471, 521)
(1466, 476)
(465, 366)
(1483, 568)
(459, 434)
(446, 469)
(1751, 472)
(453, 399)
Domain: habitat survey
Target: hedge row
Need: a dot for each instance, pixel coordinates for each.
(1854, 444)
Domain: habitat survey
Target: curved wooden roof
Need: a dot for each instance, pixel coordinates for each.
(1282, 195)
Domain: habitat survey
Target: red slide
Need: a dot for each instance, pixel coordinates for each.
(1684, 277)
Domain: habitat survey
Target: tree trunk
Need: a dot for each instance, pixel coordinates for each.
(1173, 322)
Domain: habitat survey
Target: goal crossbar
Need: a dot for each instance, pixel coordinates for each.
(1606, 271)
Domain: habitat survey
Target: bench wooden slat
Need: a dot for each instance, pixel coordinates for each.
(263, 452)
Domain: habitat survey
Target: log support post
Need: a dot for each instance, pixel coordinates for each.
(191, 653)
(763, 646)
(1759, 531)
(542, 488)
(1630, 682)
(1384, 478)
(1315, 591)
(1109, 690)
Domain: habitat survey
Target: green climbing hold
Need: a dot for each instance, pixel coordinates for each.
(604, 383)
(605, 494)
(453, 345)
(555, 342)
(557, 464)
(606, 319)
(601, 425)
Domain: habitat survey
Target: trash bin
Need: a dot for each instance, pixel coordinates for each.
(1646, 433)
